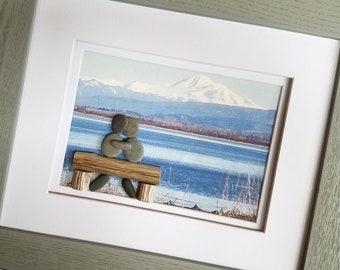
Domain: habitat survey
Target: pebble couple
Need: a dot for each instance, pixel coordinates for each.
(121, 140)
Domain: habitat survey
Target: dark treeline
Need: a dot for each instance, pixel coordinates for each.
(184, 127)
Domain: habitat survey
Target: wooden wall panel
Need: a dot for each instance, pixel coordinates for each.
(23, 250)
(307, 16)
(15, 24)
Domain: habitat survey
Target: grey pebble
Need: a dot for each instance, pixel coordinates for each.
(129, 188)
(99, 182)
(123, 145)
(137, 150)
(119, 123)
(132, 128)
(106, 146)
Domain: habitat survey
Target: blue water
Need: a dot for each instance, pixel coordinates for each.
(203, 166)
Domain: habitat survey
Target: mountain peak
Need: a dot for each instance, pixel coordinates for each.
(90, 82)
(199, 88)
(92, 87)
(194, 82)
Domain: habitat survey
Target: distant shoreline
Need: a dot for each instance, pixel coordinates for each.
(178, 127)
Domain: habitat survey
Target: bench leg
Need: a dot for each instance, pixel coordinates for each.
(81, 180)
(145, 192)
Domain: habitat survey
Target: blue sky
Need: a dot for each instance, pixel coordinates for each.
(108, 67)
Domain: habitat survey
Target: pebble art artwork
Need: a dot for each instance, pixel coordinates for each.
(121, 140)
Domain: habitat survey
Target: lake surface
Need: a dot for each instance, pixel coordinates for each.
(212, 170)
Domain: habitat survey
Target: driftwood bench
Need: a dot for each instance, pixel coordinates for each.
(85, 164)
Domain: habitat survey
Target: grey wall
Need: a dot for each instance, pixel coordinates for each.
(23, 250)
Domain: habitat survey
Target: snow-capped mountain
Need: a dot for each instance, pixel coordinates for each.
(203, 89)
(208, 104)
(91, 87)
(194, 89)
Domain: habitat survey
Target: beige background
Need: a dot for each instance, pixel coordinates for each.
(22, 250)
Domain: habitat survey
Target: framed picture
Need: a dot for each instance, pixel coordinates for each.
(216, 147)
(224, 113)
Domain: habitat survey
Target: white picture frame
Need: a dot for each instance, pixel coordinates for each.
(28, 203)
(277, 84)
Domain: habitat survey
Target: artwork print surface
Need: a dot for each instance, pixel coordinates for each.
(210, 134)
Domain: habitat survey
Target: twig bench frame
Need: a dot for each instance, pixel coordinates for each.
(85, 164)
